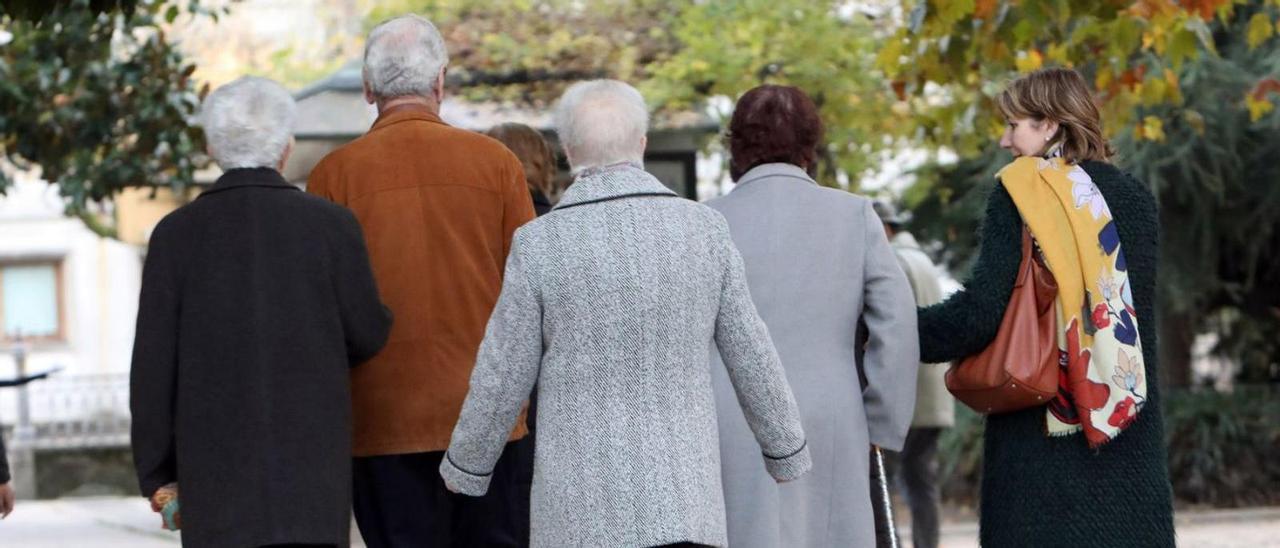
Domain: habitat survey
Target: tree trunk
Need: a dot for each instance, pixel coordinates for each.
(1177, 334)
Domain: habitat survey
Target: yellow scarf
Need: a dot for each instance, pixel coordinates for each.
(1101, 385)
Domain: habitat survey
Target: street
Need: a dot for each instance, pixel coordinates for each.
(120, 522)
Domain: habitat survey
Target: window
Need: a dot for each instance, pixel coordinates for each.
(30, 300)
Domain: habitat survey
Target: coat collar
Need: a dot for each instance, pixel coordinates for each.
(403, 113)
(249, 177)
(775, 170)
(612, 181)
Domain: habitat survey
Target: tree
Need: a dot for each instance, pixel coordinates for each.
(678, 54)
(99, 101)
(1186, 90)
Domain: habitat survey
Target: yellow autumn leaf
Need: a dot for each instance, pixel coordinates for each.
(1260, 29)
(1103, 79)
(1153, 92)
(1154, 38)
(1028, 61)
(1153, 129)
(1258, 107)
(1058, 54)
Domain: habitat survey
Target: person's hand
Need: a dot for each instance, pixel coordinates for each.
(7, 499)
(165, 503)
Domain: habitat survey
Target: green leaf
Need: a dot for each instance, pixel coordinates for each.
(171, 14)
(1182, 47)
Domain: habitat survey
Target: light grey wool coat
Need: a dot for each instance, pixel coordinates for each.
(817, 261)
(610, 303)
(935, 407)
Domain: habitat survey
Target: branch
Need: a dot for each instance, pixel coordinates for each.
(94, 223)
(521, 76)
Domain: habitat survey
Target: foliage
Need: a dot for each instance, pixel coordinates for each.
(32, 10)
(960, 457)
(98, 102)
(1132, 52)
(1221, 448)
(678, 54)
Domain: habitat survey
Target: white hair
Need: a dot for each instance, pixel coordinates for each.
(403, 56)
(248, 123)
(601, 122)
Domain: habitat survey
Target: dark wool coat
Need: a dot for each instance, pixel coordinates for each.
(256, 298)
(4, 464)
(1042, 491)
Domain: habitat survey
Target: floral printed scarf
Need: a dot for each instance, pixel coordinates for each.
(1101, 386)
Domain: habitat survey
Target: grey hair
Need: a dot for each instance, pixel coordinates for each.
(403, 56)
(602, 122)
(248, 123)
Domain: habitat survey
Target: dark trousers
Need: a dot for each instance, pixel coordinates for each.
(915, 470)
(401, 501)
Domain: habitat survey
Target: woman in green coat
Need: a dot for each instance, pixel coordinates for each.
(1089, 469)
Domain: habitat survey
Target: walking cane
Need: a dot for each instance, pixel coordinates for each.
(884, 497)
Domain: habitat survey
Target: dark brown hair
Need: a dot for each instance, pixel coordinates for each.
(773, 124)
(1060, 95)
(533, 151)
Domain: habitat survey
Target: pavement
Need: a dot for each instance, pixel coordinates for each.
(128, 522)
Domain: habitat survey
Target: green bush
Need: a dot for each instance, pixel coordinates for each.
(960, 457)
(1224, 448)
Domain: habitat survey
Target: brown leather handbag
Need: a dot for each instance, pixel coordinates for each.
(1019, 369)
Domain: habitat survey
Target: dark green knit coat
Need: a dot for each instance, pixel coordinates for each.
(1041, 491)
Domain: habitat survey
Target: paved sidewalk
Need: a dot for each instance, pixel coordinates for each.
(128, 522)
(1237, 528)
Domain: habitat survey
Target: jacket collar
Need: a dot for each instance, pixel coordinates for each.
(249, 177)
(612, 181)
(405, 112)
(775, 170)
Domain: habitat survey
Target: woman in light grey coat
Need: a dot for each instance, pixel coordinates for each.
(817, 262)
(609, 304)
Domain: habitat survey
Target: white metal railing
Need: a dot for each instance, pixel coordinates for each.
(77, 412)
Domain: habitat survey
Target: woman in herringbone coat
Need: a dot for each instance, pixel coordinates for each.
(610, 304)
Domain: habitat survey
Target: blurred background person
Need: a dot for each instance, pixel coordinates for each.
(537, 157)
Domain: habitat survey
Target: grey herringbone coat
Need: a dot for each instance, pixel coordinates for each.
(610, 303)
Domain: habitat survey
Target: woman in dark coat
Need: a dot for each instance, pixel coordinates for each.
(1101, 488)
(256, 299)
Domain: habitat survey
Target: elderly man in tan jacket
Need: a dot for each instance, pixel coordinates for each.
(438, 206)
(916, 467)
